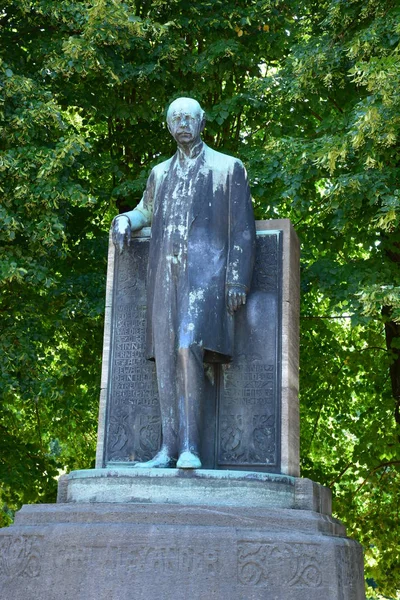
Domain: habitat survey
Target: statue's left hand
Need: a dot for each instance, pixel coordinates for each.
(236, 297)
(121, 232)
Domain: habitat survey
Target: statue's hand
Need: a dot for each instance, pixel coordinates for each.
(236, 297)
(121, 232)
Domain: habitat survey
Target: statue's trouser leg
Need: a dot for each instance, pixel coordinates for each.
(166, 379)
(190, 389)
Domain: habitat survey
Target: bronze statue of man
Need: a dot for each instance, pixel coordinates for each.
(200, 266)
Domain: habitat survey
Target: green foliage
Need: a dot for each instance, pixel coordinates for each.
(51, 275)
(338, 163)
(307, 94)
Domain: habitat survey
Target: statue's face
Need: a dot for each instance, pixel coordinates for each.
(185, 121)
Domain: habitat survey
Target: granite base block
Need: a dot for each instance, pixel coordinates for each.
(198, 487)
(133, 551)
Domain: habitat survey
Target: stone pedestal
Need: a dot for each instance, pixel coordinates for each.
(124, 536)
(246, 527)
(203, 487)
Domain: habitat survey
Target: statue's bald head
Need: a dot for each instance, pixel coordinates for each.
(186, 121)
(188, 105)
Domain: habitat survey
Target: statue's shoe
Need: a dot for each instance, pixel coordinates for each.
(162, 460)
(188, 460)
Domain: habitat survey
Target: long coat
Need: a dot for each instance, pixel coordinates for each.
(220, 245)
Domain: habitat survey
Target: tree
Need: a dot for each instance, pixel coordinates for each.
(333, 166)
(52, 259)
(306, 93)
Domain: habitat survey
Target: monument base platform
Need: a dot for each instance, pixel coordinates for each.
(194, 487)
(160, 551)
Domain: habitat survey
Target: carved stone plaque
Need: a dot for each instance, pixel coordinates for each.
(133, 429)
(250, 411)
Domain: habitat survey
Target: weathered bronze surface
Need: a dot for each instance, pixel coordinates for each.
(199, 271)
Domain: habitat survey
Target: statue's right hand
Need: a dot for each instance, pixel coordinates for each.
(121, 232)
